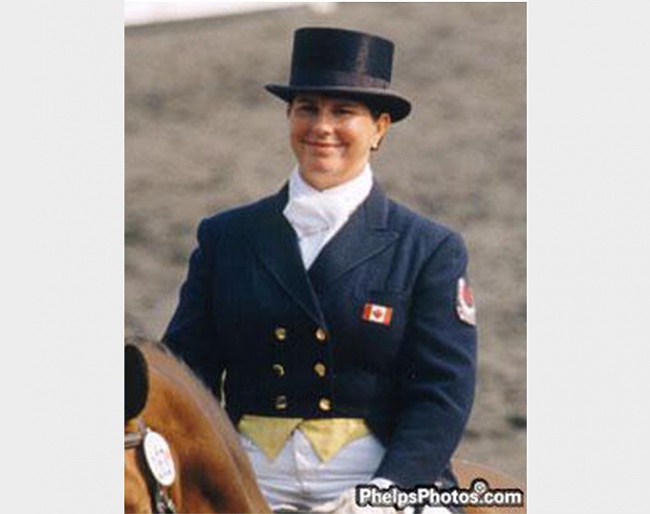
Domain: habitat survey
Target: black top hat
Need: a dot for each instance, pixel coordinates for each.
(345, 63)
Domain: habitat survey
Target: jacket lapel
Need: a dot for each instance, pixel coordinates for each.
(363, 236)
(276, 245)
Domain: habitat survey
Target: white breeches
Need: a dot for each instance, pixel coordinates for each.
(298, 479)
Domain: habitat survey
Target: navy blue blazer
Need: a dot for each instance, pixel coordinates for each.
(304, 344)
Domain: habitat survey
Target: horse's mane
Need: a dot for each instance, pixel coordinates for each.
(149, 346)
(175, 369)
(191, 390)
(193, 418)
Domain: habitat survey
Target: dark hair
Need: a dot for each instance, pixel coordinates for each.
(375, 111)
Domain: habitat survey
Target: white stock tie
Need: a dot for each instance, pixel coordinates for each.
(316, 216)
(310, 214)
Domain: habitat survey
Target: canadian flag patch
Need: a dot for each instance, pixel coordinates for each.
(465, 307)
(377, 313)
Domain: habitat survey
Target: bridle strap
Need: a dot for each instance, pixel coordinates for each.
(133, 439)
(162, 503)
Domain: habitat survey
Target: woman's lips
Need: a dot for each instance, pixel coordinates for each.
(320, 144)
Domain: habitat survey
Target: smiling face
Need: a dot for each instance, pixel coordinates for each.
(332, 138)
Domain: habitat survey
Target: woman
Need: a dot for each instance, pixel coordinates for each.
(338, 324)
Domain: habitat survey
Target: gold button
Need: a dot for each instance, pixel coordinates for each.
(280, 333)
(281, 403)
(321, 335)
(325, 404)
(278, 369)
(320, 369)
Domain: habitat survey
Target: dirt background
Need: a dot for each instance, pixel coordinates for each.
(202, 135)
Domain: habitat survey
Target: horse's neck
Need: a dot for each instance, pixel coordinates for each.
(205, 442)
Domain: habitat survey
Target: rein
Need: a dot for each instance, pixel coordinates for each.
(134, 439)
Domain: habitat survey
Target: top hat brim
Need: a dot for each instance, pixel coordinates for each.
(383, 100)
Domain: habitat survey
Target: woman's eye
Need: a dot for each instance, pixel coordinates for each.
(306, 108)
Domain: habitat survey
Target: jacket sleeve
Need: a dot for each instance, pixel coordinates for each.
(190, 334)
(437, 374)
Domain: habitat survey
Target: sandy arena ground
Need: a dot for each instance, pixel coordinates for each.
(202, 135)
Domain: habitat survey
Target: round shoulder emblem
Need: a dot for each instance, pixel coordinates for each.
(159, 458)
(465, 308)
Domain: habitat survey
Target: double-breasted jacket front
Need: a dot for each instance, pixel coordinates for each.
(371, 331)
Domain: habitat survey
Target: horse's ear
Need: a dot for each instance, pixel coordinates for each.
(136, 381)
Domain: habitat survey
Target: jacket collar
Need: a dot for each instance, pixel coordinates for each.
(363, 236)
(275, 243)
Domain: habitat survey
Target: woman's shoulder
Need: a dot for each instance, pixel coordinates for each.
(426, 237)
(406, 220)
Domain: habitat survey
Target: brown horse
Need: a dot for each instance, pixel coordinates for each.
(211, 471)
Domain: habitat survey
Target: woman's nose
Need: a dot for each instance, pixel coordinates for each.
(323, 123)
